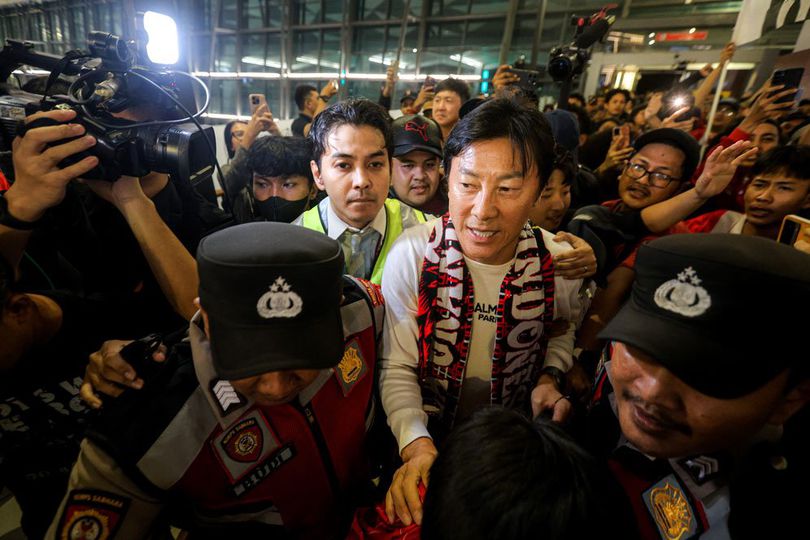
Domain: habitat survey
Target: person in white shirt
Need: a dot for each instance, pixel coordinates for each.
(471, 297)
(352, 163)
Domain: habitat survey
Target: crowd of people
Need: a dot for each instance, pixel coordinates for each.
(476, 320)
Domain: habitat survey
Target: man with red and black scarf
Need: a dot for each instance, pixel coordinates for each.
(472, 297)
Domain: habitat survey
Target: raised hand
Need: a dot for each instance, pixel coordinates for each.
(720, 167)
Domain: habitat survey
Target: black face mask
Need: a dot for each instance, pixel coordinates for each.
(281, 210)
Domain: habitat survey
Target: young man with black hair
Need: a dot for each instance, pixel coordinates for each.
(699, 387)
(248, 427)
(310, 103)
(501, 475)
(470, 296)
(615, 103)
(282, 186)
(352, 164)
(555, 199)
(449, 95)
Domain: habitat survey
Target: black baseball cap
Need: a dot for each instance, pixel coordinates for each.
(272, 293)
(678, 139)
(712, 309)
(406, 96)
(415, 132)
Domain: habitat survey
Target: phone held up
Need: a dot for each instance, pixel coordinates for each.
(256, 101)
(794, 229)
(789, 78)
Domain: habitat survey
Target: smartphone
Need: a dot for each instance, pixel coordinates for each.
(528, 79)
(429, 82)
(790, 78)
(793, 228)
(256, 101)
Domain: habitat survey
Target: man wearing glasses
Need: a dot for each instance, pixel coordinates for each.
(659, 170)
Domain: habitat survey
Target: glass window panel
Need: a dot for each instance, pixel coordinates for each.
(200, 53)
(366, 89)
(488, 6)
(261, 14)
(225, 58)
(307, 52)
(195, 14)
(451, 7)
(373, 9)
(223, 96)
(227, 15)
(333, 11)
(306, 11)
(261, 52)
(373, 50)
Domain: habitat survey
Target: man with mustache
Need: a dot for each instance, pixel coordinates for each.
(415, 174)
(697, 398)
(351, 163)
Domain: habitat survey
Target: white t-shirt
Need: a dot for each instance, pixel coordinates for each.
(487, 280)
(399, 384)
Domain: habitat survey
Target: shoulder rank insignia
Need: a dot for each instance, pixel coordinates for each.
(352, 368)
(226, 396)
(91, 515)
(671, 510)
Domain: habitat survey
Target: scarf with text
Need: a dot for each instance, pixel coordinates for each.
(445, 315)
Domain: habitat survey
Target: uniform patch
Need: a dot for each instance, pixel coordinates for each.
(91, 515)
(245, 444)
(701, 468)
(263, 471)
(671, 510)
(226, 396)
(352, 367)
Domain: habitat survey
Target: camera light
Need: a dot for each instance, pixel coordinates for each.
(679, 102)
(162, 47)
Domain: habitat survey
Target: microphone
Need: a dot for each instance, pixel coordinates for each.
(594, 33)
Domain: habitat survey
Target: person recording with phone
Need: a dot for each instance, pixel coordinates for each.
(310, 103)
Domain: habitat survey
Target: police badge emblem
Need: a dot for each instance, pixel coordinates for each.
(244, 441)
(91, 515)
(671, 510)
(351, 368)
(245, 444)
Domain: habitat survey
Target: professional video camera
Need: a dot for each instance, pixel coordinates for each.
(105, 80)
(568, 61)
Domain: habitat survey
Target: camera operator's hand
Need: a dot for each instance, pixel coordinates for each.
(107, 372)
(262, 120)
(39, 182)
(128, 190)
(504, 76)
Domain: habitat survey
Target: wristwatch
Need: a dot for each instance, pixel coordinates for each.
(556, 374)
(10, 221)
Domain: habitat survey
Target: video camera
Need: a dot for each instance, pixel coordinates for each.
(105, 80)
(568, 61)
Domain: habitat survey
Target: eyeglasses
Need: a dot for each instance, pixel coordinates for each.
(636, 171)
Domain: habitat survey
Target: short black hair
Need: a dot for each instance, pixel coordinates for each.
(564, 161)
(615, 91)
(499, 475)
(585, 124)
(804, 102)
(526, 128)
(790, 160)
(302, 92)
(354, 112)
(579, 97)
(454, 85)
(228, 132)
(281, 156)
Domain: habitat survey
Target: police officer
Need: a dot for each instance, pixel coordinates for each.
(705, 371)
(254, 424)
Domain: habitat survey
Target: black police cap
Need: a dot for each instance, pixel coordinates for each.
(721, 311)
(272, 293)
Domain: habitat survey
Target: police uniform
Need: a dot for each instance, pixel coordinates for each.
(694, 301)
(191, 450)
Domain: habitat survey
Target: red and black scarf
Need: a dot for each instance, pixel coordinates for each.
(445, 315)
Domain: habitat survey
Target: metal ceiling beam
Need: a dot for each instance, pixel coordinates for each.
(648, 23)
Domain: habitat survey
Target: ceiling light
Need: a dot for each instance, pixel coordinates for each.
(651, 42)
(692, 30)
(466, 61)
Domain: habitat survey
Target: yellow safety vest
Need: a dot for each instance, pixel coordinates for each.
(393, 228)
